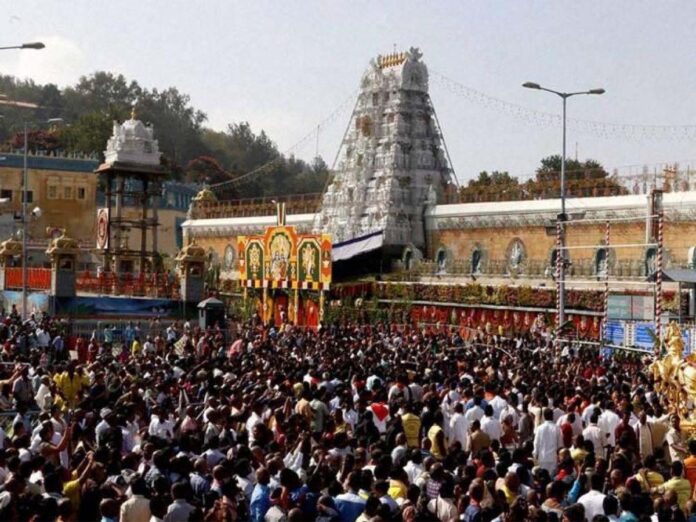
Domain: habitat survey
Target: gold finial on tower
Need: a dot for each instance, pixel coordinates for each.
(134, 112)
(390, 60)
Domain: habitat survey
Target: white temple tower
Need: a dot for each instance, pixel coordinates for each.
(391, 161)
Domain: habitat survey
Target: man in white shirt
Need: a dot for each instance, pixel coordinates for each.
(675, 441)
(576, 424)
(42, 338)
(475, 412)
(589, 410)
(498, 404)
(535, 409)
(459, 427)
(44, 397)
(490, 425)
(596, 435)
(593, 500)
(414, 466)
(107, 420)
(160, 426)
(400, 451)
(149, 346)
(644, 434)
(608, 421)
(510, 410)
(547, 442)
(254, 419)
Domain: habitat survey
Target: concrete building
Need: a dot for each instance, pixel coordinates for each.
(63, 187)
(67, 191)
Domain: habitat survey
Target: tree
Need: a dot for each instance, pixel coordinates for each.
(205, 170)
(495, 186)
(240, 151)
(177, 124)
(101, 92)
(88, 134)
(38, 140)
(189, 150)
(583, 178)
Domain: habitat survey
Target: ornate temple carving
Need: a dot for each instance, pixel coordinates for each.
(132, 142)
(392, 163)
(675, 379)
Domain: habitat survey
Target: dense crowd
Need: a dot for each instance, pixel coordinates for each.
(348, 423)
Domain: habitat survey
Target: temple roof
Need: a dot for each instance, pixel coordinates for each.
(132, 142)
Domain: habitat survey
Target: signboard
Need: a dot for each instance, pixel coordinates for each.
(615, 333)
(644, 336)
(102, 228)
(631, 307)
(619, 307)
(642, 307)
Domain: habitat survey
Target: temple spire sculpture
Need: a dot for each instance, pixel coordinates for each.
(392, 159)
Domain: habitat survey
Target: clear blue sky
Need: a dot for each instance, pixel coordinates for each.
(286, 65)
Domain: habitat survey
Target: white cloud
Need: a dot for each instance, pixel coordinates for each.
(60, 62)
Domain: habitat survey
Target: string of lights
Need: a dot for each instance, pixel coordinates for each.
(532, 117)
(309, 138)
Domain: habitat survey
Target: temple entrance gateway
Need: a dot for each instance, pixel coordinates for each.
(288, 270)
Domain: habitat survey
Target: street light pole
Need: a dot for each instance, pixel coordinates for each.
(36, 213)
(25, 176)
(30, 45)
(37, 46)
(562, 217)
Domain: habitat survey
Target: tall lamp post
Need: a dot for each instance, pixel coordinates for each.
(562, 217)
(36, 46)
(35, 213)
(29, 45)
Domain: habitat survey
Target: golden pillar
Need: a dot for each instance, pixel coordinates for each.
(296, 306)
(321, 306)
(264, 304)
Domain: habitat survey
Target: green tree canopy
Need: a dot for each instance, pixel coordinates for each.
(583, 178)
(498, 185)
(190, 151)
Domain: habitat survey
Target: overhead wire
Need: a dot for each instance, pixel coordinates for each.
(307, 138)
(601, 129)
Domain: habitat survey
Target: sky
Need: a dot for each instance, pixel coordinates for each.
(286, 66)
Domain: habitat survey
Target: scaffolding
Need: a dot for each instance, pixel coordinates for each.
(654, 239)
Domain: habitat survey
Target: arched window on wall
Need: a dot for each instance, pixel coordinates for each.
(441, 261)
(476, 260)
(601, 263)
(551, 269)
(691, 257)
(408, 259)
(650, 261)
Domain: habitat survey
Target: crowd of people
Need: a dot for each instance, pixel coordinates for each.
(350, 423)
